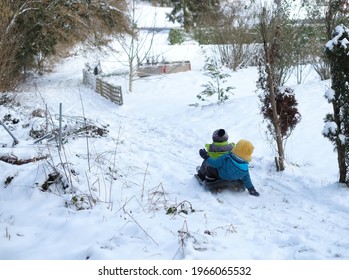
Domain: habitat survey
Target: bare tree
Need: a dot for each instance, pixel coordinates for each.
(137, 44)
(233, 38)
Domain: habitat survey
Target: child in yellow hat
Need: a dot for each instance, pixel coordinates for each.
(232, 166)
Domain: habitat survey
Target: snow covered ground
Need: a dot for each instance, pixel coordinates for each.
(122, 184)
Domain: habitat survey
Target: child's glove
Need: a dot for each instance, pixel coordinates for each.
(203, 153)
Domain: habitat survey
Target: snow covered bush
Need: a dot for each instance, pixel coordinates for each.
(337, 123)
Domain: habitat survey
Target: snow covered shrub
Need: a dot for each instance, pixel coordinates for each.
(216, 83)
(337, 124)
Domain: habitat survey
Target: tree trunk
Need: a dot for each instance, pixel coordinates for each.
(271, 84)
(276, 121)
(130, 80)
(340, 147)
(341, 163)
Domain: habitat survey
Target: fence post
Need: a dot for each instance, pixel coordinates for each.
(111, 93)
(60, 128)
(99, 86)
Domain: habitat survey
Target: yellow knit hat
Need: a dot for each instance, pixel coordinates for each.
(244, 150)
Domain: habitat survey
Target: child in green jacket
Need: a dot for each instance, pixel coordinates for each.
(217, 148)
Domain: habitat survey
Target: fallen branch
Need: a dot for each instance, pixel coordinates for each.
(15, 161)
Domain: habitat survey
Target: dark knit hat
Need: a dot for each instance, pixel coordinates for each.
(220, 135)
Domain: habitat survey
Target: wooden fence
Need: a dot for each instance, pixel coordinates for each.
(148, 69)
(107, 90)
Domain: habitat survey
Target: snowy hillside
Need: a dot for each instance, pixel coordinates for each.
(128, 179)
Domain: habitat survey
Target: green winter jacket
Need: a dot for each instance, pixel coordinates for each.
(217, 149)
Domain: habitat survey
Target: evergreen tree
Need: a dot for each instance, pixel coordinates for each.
(216, 84)
(337, 123)
(194, 13)
(320, 23)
